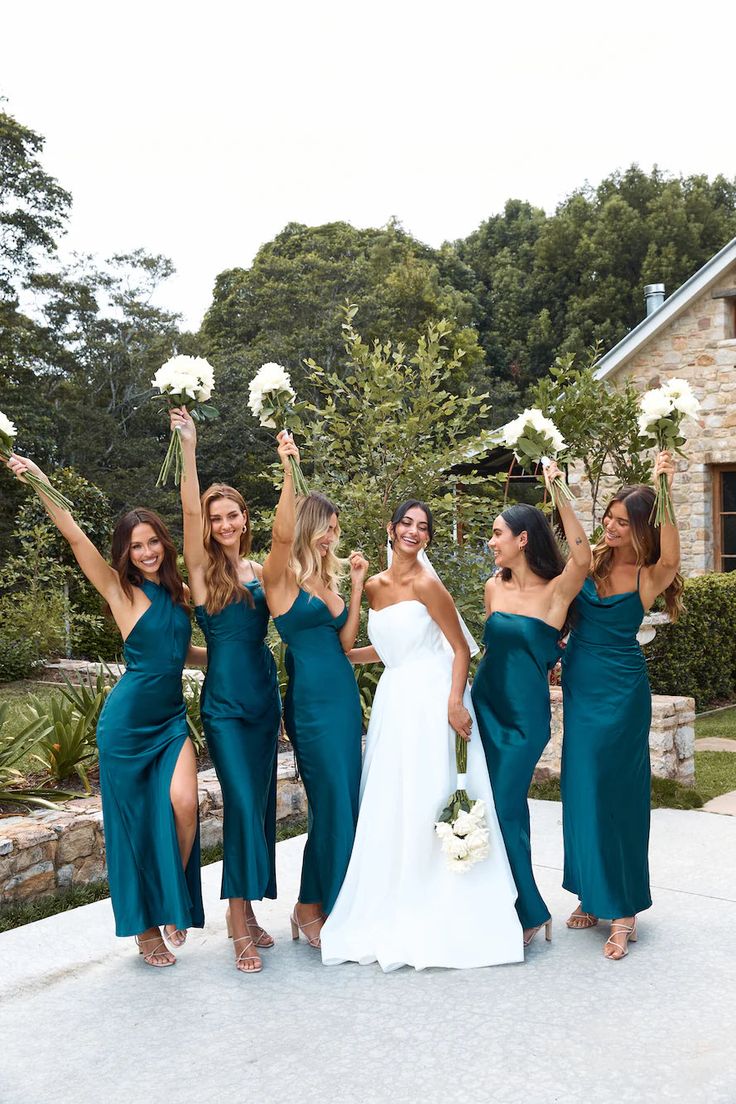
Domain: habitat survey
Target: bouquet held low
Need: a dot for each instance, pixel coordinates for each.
(462, 828)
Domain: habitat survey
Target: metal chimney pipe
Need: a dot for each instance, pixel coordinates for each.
(654, 297)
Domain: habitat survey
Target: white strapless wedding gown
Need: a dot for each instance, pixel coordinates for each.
(400, 904)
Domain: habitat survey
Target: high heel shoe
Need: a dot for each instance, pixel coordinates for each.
(547, 932)
(579, 920)
(177, 938)
(159, 949)
(241, 957)
(630, 935)
(263, 940)
(297, 927)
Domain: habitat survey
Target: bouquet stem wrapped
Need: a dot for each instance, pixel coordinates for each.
(7, 439)
(462, 826)
(662, 411)
(271, 400)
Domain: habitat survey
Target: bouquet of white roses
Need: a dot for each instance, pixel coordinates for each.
(662, 411)
(271, 400)
(185, 381)
(536, 440)
(7, 439)
(462, 827)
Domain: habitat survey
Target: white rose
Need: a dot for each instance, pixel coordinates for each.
(683, 399)
(443, 829)
(477, 843)
(478, 812)
(453, 847)
(7, 428)
(655, 404)
(463, 824)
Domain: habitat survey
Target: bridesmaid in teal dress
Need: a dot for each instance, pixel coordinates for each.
(526, 606)
(148, 771)
(607, 711)
(240, 705)
(322, 708)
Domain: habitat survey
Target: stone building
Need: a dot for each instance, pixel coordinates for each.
(692, 335)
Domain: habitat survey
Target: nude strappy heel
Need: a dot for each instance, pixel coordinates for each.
(263, 940)
(241, 957)
(588, 920)
(297, 927)
(547, 932)
(631, 936)
(159, 948)
(177, 938)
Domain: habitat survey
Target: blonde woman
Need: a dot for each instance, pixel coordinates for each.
(241, 710)
(322, 709)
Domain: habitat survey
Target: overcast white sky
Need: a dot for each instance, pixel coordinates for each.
(199, 130)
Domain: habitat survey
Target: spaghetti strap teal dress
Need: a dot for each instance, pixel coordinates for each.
(241, 714)
(324, 723)
(511, 697)
(606, 779)
(141, 731)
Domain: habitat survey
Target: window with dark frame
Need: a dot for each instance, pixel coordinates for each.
(724, 517)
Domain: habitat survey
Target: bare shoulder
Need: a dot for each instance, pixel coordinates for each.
(257, 569)
(376, 582)
(427, 586)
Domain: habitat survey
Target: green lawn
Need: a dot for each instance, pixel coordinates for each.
(722, 724)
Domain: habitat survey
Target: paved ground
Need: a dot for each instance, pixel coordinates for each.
(81, 1019)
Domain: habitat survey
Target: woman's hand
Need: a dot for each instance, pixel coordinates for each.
(182, 421)
(552, 472)
(21, 464)
(287, 448)
(664, 465)
(358, 569)
(460, 720)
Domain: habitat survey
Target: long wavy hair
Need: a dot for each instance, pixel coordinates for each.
(638, 501)
(313, 513)
(128, 573)
(220, 574)
(541, 551)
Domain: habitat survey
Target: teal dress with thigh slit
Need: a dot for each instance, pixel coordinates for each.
(324, 723)
(241, 714)
(606, 779)
(511, 697)
(140, 735)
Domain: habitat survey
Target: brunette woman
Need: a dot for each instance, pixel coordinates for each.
(526, 607)
(322, 709)
(607, 711)
(148, 771)
(241, 709)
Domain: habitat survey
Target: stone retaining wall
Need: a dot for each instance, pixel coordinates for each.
(52, 849)
(671, 739)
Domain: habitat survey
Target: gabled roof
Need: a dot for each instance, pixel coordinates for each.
(701, 281)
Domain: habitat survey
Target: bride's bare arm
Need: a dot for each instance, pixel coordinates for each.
(364, 655)
(442, 610)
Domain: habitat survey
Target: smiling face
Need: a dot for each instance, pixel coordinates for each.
(227, 521)
(506, 545)
(617, 526)
(325, 540)
(411, 533)
(146, 550)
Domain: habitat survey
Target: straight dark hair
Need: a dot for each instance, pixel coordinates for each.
(541, 550)
(128, 574)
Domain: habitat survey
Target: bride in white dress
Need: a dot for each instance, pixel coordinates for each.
(400, 905)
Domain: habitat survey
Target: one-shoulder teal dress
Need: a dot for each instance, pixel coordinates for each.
(241, 714)
(511, 698)
(324, 723)
(606, 779)
(141, 731)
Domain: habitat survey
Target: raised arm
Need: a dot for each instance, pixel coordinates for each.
(580, 560)
(442, 610)
(94, 566)
(657, 578)
(276, 564)
(194, 553)
(358, 569)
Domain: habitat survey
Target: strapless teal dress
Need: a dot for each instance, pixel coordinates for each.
(241, 714)
(140, 734)
(606, 778)
(324, 723)
(511, 698)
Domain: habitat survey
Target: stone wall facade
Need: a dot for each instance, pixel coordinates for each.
(671, 739)
(699, 345)
(53, 849)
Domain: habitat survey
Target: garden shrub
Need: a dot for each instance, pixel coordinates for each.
(696, 657)
(31, 627)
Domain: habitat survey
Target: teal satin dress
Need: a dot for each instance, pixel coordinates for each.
(606, 778)
(140, 734)
(324, 723)
(241, 714)
(511, 698)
